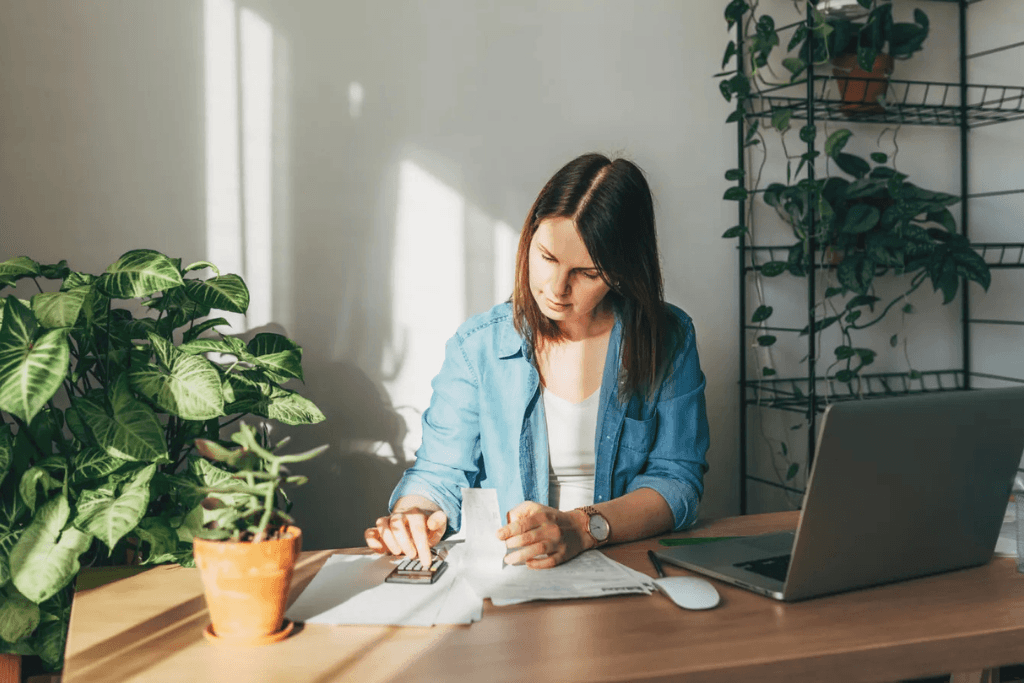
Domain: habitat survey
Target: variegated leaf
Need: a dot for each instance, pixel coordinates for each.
(111, 520)
(45, 558)
(292, 409)
(131, 432)
(139, 273)
(19, 617)
(224, 292)
(183, 385)
(31, 369)
(59, 309)
(277, 353)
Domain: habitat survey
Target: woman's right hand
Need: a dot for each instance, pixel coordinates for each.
(410, 531)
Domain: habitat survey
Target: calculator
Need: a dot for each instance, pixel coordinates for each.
(413, 571)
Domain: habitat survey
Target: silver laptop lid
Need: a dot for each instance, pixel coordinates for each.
(906, 486)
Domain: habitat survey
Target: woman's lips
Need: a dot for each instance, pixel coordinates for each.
(555, 304)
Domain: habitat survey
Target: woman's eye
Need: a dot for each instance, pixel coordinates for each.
(547, 258)
(589, 275)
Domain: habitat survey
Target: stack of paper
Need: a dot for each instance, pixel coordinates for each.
(480, 560)
(350, 589)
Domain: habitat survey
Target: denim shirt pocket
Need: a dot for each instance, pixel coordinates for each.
(638, 435)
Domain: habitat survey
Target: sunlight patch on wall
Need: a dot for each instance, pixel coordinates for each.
(506, 242)
(428, 291)
(240, 145)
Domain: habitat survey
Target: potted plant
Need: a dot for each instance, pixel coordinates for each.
(878, 222)
(863, 51)
(105, 382)
(245, 545)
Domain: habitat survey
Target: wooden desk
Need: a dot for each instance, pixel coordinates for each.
(149, 628)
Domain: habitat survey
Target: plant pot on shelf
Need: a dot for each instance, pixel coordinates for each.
(860, 89)
(246, 587)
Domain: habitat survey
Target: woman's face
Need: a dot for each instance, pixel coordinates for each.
(564, 282)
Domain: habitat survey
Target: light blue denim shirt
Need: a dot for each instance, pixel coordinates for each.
(485, 426)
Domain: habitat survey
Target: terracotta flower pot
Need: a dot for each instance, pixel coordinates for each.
(860, 89)
(246, 587)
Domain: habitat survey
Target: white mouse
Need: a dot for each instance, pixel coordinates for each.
(689, 592)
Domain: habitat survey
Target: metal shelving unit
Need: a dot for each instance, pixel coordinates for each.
(963, 105)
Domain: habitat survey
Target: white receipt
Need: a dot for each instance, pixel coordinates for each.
(481, 562)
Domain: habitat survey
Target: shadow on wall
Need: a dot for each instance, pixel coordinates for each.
(349, 486)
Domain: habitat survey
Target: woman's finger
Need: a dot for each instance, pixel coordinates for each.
(390, 542)
(545, 562)
(527, 553)
(421, 544)
(437, 524)
(399, 527)
(372, 537)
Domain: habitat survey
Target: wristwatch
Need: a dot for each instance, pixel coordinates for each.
(597, 525)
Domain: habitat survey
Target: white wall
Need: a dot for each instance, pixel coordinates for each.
(367, 226)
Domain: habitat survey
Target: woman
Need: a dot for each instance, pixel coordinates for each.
(581, 400)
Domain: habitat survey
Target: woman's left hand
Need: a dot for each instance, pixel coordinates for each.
(537, 530)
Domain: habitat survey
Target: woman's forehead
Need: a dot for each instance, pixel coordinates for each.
(560, 237)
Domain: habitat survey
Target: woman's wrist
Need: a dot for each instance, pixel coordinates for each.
(581, 523)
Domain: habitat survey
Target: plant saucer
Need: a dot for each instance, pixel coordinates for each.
(284, 632)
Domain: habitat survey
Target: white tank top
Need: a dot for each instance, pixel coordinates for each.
(572, 428)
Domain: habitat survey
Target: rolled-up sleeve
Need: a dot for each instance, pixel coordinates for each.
(446, 461)
(676, 464)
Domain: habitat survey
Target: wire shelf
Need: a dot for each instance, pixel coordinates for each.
(921, 103)
(791, 394)
(996, 255)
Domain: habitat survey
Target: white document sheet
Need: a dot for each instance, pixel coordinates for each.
(350, 589)
(480, 560)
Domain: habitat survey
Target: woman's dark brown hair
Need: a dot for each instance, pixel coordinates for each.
(611, 206)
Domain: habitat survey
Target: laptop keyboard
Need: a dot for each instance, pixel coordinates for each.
(772, 567)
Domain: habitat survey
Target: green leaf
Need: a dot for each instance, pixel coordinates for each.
(845, 375)
(292, 409)
(766, 340)
(6, 453)
(808, 133)
(855, 273)
(93, 463)
(140, 273)
(781, 117)
(225, 292)
(943, 217)
(844, 352)
(795, 66)
(161, 537)
(767, 372)
(860, 218)
(735, 231)
(31, 369)
(131, 431)
(853, 165)
(45, 558)
(194, 332)
(183, 385)
(773, 268)
(735, 194)
(17, 268)
(762, 313)
(879, 157)
(734, 174)
(791, 472)
(32, 478)
(59, 309)
(19, 617)
(199, 265)
(867, 356)
(110, 519)
(730, 52)
(835, 142)
(894, 341)
(277, 353)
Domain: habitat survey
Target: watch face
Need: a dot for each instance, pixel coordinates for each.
(599, 527)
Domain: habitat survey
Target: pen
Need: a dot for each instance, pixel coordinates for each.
(656, 562)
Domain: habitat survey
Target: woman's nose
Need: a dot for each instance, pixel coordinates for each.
(561, 283)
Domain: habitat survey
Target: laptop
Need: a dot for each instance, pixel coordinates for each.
(900, 487)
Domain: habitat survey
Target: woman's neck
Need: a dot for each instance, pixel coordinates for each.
(598, 324)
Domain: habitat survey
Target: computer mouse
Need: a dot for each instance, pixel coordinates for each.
(689, 592)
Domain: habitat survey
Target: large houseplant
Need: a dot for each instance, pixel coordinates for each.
(876, 223)
(105, 382)
(245, 543)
